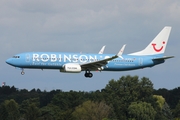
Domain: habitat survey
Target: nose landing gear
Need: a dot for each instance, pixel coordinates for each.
(22, 73)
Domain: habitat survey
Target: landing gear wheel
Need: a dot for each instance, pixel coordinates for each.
(88, 74)
(22, 73)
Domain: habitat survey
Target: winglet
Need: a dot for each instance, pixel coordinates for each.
(102, 50)
(121, 51)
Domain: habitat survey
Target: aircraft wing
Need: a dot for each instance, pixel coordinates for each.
(96, 65)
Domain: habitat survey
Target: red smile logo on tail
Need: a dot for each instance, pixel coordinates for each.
(157, 50)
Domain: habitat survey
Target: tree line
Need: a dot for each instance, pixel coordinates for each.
(128, 98)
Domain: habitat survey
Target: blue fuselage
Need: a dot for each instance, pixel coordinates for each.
(56, 60)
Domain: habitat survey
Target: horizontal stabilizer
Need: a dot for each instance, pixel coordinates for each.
(163, 58)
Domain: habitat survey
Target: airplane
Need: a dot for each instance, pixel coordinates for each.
(66, 62)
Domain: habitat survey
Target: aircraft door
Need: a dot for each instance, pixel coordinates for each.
(28, 58)
(140, 61)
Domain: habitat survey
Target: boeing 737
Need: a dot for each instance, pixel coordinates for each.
(152, 55)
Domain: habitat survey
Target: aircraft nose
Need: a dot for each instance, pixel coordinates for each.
(9, 61)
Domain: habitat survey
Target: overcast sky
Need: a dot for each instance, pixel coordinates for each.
(85, 26)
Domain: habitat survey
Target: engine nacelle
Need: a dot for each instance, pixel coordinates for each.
(71, 68)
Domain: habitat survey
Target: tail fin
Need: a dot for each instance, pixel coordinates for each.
(158, 45)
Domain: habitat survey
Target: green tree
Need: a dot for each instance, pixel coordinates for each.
(32, 112)
(121, 93)
(50, 112)
(145, 89)
(3, 112)
(9, 110)
(141, 111)
(26, 103)
(90, 110)
(176, 111)
(167, 111)
(66, 100)
(162, 108)
(163, 92)
(173, 97)
(160, 100)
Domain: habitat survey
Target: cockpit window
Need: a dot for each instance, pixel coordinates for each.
(16, 56)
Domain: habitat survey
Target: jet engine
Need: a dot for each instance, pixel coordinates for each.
(71, 68)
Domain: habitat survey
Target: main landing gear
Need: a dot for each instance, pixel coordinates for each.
(88, 74)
